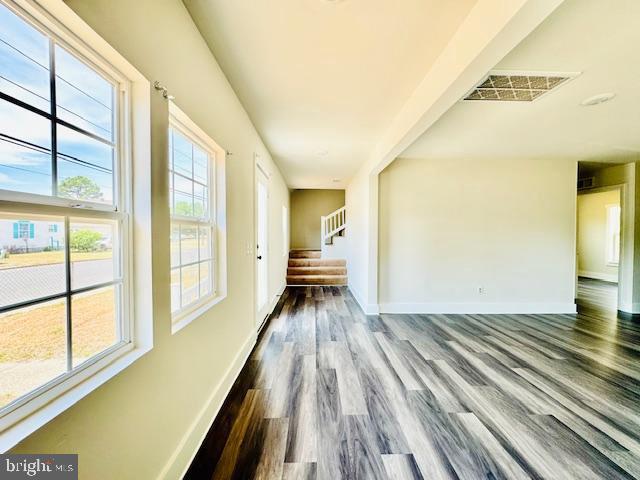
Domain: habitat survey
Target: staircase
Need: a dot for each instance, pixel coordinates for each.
(306, 267)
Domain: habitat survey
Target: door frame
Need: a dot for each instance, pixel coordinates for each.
(260, 315)
(624, 300)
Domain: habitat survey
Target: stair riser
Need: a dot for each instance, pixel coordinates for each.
(315, 280)
(316, 271)
(304, 254)
(316, 262)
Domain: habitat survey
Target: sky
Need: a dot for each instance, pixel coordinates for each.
(83, 98)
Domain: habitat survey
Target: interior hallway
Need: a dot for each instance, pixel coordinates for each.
(330, 393)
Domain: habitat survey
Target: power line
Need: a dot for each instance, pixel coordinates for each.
(59, 106)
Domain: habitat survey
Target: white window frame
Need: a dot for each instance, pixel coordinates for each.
(216, 220)
(33, 410)
(611, 236)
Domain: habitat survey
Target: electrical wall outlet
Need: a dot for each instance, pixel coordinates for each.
(480, 290)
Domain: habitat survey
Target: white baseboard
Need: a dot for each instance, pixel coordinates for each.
(607, 277)
(183, 455)
(633, 308)
(367, 308)
(276, 297)
(478, 307)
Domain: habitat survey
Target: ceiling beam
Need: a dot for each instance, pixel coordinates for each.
(490, 31)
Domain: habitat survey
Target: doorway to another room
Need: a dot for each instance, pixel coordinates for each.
(598, 249)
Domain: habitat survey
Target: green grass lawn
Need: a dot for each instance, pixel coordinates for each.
(39, 333)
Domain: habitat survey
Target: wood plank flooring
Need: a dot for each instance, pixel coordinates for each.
(330, 393)
(597, 294)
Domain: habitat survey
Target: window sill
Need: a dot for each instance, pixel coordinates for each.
(21, 422)
(613, 264)
(183, 319)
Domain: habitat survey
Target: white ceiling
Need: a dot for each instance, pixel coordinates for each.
(598, 38)
(321, 79)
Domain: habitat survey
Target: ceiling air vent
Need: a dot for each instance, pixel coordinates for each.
(516, 87)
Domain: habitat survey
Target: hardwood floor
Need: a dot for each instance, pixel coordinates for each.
(597, 294)
(330, 393)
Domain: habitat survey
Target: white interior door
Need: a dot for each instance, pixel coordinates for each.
(262, 247)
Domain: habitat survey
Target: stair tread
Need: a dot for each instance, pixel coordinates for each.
(309, 262)
(319, 268)
(316, 279)
(323, 275)
(305, 254)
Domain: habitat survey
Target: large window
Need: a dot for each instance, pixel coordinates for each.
(64, 214)
(194, 179)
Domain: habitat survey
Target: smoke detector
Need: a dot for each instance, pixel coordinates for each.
(501, 86)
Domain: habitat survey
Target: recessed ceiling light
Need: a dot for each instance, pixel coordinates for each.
(597, 99)
(322, 153)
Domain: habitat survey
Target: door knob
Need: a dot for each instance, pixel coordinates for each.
(259, 257)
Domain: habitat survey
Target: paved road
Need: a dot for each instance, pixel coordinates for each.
(25, 283)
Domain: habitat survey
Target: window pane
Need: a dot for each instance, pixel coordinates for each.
(200, 165)
(183, 196)
(205, 278)
(204, 240)
(91, 248)
(190, 290)
(175, 290)
(24, 61)
(189, 244)
(175, 245)
(31, 259)
(83, 97)
(93, 323)
(32, 348)
(25, 150)
(182, 155)
(85, 167)
(183, 204)
(189, 183)
(199, 201)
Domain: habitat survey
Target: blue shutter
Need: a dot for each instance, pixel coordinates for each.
(55, 228)
(15, 230)
(31, 230)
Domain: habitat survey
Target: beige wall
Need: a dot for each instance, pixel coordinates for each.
(357, 202)
(307, 206)
(146, 422)
(592, 232)
(448, 228)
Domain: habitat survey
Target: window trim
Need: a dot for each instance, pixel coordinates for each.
(58, 21)
(217, 218)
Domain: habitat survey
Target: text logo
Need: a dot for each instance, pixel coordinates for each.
(36, 467)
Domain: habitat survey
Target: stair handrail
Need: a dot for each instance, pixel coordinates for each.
(332, 224)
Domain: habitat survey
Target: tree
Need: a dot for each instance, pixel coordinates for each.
(183, 208)
(84, 240)
(187, 210)
(80, 188)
